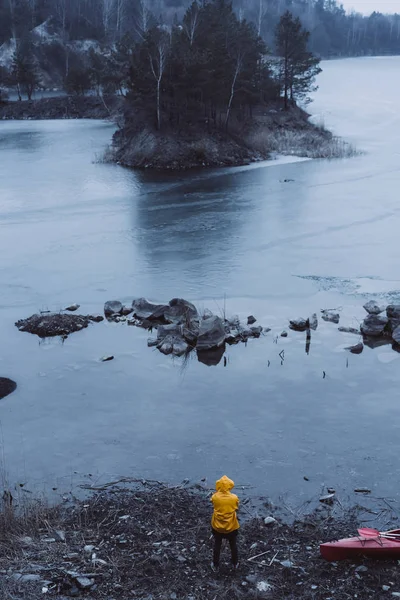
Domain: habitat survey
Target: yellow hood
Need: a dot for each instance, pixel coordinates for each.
(224, 484)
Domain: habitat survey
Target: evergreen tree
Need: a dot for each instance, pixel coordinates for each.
(298, 66)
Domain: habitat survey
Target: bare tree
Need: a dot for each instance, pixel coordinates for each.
(107, 13)
(262, 11)
(143, 18)
(191, 22)
(236, 73)
(158, 55)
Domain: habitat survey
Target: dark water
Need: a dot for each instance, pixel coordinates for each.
(76, 231)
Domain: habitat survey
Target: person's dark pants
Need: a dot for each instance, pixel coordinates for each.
(232, 539)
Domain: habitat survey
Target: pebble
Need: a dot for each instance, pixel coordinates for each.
(386, 588)
(269, 521)
(26, 578)
(73, 307)
(84, 582)
(396, 594)
(89, 548)
(263, 586)
(284, 334)
(361, 569)
(107, 358)
(287, 563)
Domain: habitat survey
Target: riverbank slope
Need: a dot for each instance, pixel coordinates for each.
(152, 540)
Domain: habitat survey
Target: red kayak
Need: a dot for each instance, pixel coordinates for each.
(369, 542)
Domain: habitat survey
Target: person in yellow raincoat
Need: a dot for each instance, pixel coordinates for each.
(224, 522)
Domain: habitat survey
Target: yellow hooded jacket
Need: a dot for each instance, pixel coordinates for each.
(224, 519)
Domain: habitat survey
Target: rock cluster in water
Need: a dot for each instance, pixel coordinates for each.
(181, 328)
(381, 328)
(54, 324)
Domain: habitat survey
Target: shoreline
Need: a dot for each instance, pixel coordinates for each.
(153, 539)
(61, 107)
(273, 134)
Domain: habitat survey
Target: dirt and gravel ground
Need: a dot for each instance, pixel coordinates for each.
(153, 542)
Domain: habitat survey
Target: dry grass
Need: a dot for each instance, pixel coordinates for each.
(310, 143)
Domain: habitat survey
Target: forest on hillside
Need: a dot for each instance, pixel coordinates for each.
(333, 31)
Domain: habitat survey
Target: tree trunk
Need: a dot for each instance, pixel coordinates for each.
(158, 105)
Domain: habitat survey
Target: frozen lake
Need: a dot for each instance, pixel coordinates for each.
(76, 231)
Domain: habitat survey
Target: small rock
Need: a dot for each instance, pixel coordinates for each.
(112, 307)
(256, 331)
(73, 307)
(26, 540)
(314, 587)
(181, 559)
(173, 596)
(151, 342)
(270, 521)
(362, 491)
(299, 324)
(61, 535)
(330, 316)
(328, 499)
(96, 318)
(251, 320)
(350, 330)
(107, 358)
(313, 321)
(251, 578)
(284, 334)
(84, 582)
(331, 490)
(288, 564)
(386, 588)
(264, 586)
(361, 569)
(26, 578)
(357, 349)
(373, 308)
(396, 594)
(49, 540)
(127, 310)
(88, 548)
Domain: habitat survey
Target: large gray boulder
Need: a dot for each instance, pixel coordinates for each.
(396, 335)
(375, 326)
(177, 311)
(173, 344)
(393, 312)
(172, 329)
(211, 333)
(181, 311)
(113, 307)
(373, 308)
(143, 309)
